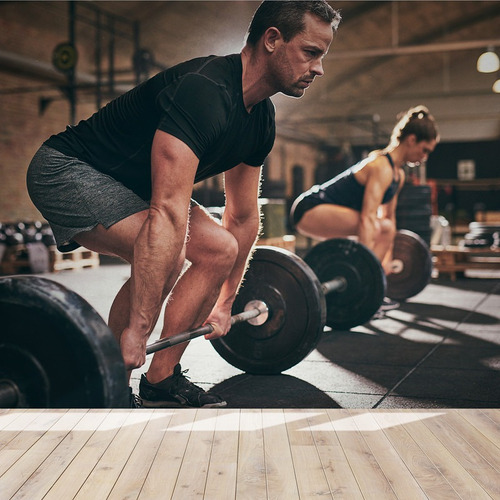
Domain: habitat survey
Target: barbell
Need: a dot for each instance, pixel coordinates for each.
(56, 351)
(365, 282)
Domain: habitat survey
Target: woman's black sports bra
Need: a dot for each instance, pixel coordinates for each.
(345, 190)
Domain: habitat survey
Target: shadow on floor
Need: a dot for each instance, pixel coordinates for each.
(491, 286)
(422, 359)
(423, 312)
(272, 391)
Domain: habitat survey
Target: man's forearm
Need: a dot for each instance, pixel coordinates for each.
(246, 235)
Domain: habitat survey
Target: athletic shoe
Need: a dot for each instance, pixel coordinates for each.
(176, 391)
(388, 304)
(134, 400)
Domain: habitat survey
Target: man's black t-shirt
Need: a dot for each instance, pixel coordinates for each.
(199, 101)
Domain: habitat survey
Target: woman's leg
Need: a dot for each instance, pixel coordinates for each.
(327, 221)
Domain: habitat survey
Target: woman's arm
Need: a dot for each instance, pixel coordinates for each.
(378, 177)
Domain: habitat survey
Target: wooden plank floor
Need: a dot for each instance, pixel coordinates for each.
(250, 454)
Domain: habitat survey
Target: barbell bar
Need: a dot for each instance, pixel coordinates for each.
(56, 351)
(365, 283)
(253, 310)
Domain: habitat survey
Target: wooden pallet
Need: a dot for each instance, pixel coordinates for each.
(16, 260)
(77, 259)
(456, 260)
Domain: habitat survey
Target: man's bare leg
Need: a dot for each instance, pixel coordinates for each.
(211, 250)
(119, 241)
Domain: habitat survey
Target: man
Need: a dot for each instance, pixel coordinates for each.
(120, 183)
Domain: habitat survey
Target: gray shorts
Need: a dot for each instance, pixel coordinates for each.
(74, 197)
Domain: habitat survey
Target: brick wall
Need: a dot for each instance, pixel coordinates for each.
(32, 30)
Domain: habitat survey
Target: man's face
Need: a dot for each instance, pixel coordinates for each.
(300, 60)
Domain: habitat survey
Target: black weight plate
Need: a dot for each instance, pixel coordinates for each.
(296, 314)
(415, 224)
(365, 290)
(420, 192)
(414, 211)
(23, 372)
(483, 227)
(415, 261)
(68, 339)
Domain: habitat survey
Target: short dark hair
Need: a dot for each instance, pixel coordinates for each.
(288, 17)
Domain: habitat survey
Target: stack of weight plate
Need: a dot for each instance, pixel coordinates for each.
(482, 235)
(414, 210)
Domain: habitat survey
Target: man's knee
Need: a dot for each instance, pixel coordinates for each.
(225, 247)
(218, 251)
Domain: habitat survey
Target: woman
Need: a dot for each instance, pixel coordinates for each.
(362, 200)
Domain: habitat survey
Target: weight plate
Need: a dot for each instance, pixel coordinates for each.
(64, 56)
(296, 314)
(22, 371)
(483, 227)
(365, 278)
(69, 341)
(418, 193)
(415, 261)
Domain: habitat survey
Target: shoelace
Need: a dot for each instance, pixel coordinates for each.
(137, 401)
(193, 386)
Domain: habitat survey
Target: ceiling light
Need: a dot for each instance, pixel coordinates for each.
(496, 86)
(488, 62)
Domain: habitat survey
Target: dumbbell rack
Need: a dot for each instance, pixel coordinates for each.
(15, 260)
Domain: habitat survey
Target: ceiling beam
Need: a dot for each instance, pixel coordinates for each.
(415, 49)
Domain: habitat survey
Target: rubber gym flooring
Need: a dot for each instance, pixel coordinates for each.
(440, 349)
